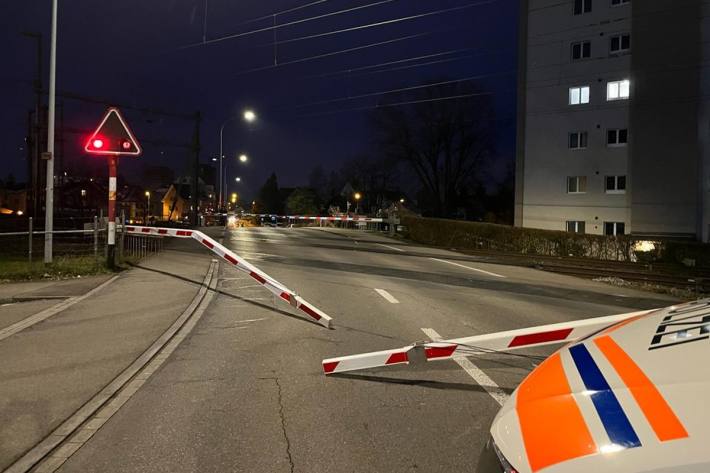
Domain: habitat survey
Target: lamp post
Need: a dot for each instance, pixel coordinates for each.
(147, 211)
(49, 196)
(248, 116)
(357, 196)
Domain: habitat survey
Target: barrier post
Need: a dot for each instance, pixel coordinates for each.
(29, 242)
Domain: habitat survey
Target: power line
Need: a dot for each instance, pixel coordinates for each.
(284, 25)
(398, 104)
(388, 22)
(431, 62)
(404, 89)
(398, 61)
(341, 51)
(282, 12)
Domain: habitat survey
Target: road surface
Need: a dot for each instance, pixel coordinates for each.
(244, 391)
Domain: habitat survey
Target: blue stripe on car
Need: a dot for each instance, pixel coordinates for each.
(615, 421)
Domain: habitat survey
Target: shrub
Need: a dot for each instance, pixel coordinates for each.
(528, 241)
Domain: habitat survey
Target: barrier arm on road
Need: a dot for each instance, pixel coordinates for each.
(275, 287)
(499, 342)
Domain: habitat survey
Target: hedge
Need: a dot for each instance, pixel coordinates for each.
(528, 241)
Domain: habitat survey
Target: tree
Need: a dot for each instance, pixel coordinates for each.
(302, 201)
(269, 196)
(444, 136)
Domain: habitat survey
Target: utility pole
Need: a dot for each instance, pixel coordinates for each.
(49, 199)
(196, 171)
(34, 147)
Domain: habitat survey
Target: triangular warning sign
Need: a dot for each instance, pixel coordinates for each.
(113, 137)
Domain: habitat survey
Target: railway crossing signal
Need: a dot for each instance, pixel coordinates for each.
(112, 138)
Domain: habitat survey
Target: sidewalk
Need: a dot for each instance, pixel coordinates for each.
(50, 369)
(31, 290)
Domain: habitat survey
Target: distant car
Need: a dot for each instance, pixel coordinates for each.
(634, 397)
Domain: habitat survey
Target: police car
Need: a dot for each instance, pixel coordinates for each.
(627, 393)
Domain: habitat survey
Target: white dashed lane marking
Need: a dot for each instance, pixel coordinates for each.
(391, 247)
(495, 275)
(474, 371)
(387, 296)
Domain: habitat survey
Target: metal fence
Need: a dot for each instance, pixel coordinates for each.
(140, 246)
(82, 239)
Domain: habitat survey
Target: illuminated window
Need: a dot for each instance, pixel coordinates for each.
(578, 140)
(617, 137)
(614, 228)
(615, 185)
(575, 226)
(581, 50)
(576, 184)
(620, 43)
(618, 90)
(582, 6)
(579, 95)
(83, 192)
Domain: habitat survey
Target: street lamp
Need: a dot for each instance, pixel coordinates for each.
(401, 201)
(357, 196)
(243, 158)
(248, 116)
(147, 213)
(238, 179)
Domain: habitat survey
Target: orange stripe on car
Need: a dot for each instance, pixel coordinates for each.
(657, 411)
(551, 423)
(621, 324)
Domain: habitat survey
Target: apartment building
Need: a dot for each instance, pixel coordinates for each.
(613, 117)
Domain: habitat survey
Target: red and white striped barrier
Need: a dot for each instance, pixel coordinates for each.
(318, 219)
(480, 344)
(278, 289)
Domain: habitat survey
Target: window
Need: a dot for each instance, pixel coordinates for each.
(579, 95)
(577, 184)
(575, 226)
(617, 137)
(620, 43)
(581, 50)
(617, 90)
(582, 6)
(615, 185)
(614, 228)
(616, 3)
(578, 140)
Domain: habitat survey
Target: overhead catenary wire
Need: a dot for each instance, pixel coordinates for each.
(284, 25)
(428, 63)
(396, 104)
(341, 51)
(387, 63)
(404, 89)
(388, 22)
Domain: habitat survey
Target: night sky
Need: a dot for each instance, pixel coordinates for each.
(148, 53)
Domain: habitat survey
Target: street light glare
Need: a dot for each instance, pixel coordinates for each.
(243, 158)
(249, 115)
(238, 179)
(357, 196)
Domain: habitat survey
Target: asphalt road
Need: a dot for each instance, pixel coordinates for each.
(245, 391)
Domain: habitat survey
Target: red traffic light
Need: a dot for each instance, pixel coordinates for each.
(98, 143)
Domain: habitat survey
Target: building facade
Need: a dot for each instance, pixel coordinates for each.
(613, 122)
